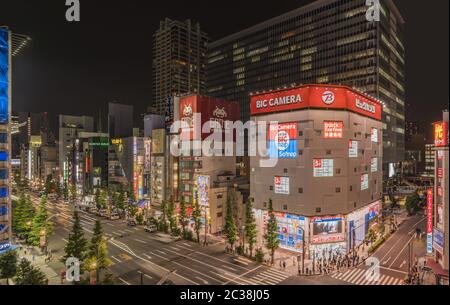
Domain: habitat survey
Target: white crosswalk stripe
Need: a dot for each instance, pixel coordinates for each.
(270, 277)
(358, 277)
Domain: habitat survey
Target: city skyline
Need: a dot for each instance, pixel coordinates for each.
(71, 68)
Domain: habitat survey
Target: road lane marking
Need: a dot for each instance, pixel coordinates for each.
(161, 252)
(386, 261)
(188, 245)
(139, 241)
(218, 259)
(147, 256)
(232, 269)
(202, 280)
(116, 259)
(124, 281)
(401, 251)
(402, 264)
(65, 240)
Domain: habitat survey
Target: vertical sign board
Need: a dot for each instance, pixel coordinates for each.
(352, 149)
(282, 140)
(430, 221)
(440, 134)
(4, 120)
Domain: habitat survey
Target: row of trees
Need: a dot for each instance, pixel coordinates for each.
(30, 223)
(93, 256)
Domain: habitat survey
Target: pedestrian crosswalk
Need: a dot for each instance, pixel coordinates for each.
(269, 277)
(358, 276)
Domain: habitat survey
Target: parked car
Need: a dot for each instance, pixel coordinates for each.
(151, 228)
(114, 216)
(93, 210)
(102, 213)
(131, 222)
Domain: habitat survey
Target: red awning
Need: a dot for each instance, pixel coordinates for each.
(437, 269)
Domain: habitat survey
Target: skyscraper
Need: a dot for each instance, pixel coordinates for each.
(327, 42)
(120, 120)
(179, 59)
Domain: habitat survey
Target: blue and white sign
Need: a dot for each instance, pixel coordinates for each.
(438, 240)
(429, 243)
(4, 76)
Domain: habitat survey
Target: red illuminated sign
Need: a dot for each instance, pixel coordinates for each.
(333, 130)
(440, 134)
(289, 129)
(430, 211)
(335, 97)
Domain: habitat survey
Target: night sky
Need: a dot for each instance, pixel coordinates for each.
(76, 68)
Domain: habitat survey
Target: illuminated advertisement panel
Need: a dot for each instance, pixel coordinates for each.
(430, 221)
(203, 190)
(282, 140)
(4, 76)
(327, 229)
(333, 129)
(438, 240)
(440, 134)
(352, 149)
(316, 96)
(374, 164)
(364, 182)
(374, 135)
(281, 185)
(290, 229)
(323, 167)
(158, 141)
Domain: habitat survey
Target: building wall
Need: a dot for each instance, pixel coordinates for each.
(120, 120)
(328, 41)
(308, 194)
(179, 59)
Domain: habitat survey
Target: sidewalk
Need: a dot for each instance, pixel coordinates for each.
(39, 261)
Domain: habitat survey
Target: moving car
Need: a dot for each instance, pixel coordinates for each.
(114, 216)
(131, 222)
(151, 228)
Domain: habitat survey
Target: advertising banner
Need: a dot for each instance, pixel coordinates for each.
(364, 182)
(352, 149)
(333, 129)
(440, 134)
(374, 164)
(203, 190)
(4, 76)
(282, 140)
(430, 221)
(327, 229)
(158, 141)
(281, 185)
(290, 229)
(323, 167)
(314, 97)
(438, 240)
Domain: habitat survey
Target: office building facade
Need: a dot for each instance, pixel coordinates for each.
(326, 184)
(120, 120)
(329, 42)
(179, 61)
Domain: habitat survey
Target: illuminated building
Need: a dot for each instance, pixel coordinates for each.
(326, 185)
(10, 45)
(327, 41)
(179, 59)
(437, 228)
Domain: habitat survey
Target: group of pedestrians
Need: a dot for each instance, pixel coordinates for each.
(335, 262)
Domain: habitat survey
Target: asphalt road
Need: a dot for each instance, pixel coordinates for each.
(138, 256)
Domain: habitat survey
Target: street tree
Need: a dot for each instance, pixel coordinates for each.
(41, 226)
(76, 245)
(29, 275)
(65, 191)
(271, 237)
(98, 252)
(8, 265)
(230, 225)
(196, 215)
(250, 226)
(171, 216)
(23, 213)
(163, 220)
(73, 192)
(183, 216)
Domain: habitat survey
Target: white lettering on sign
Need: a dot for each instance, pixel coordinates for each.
(365, 106)
(279, 101)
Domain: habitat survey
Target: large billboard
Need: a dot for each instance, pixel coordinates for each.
(327, 229)
(282, 140)
(440, 134)
(210, 109)
(291, 231)
(4, 76)
(316, 96)
(158, 141)
(333, 129)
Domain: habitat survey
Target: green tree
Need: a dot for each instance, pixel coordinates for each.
(163, 218)
(59, 191)
(23, 213)
(98, 251)
(230, 225)
(97, 199)
(196, 216)
(8, 265)
(271, 237)
(76, 245)
(183, 216)
(28, 275)
(171, 216)
(48, 187)
(41, 225)
(250, 226)
(65, 191)
(412, 203)
(73, 192)
(371, 236)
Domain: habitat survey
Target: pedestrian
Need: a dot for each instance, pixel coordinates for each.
(284, 265)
